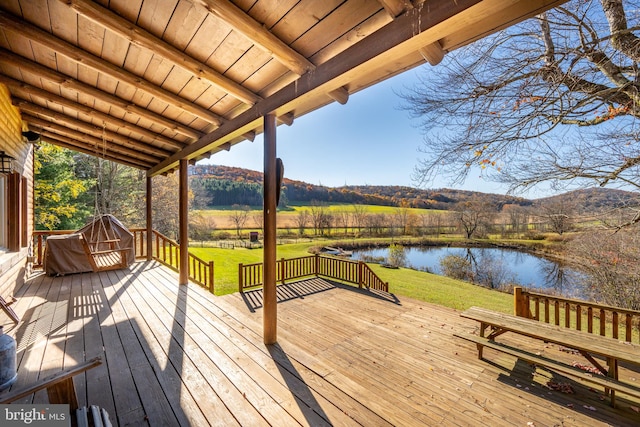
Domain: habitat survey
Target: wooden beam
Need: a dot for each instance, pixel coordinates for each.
(270, 300)
(140, 37)
(83, 58)
(99, 132)
(258, 34)
(340, 94)
(24, 91)
(396, 8)
(71, 144)
(433, 53)
(183, 221)
(59, 79)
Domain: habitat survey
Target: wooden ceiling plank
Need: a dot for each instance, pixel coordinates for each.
(17, 87)
(60, 80)
(143, 38)
(154, 15)
(324, 33)
(259, 35)
(92, 130)
(304, 15)
(94, 144)
(185, 22)
(269, 12)
(71, 144)
(77, 55)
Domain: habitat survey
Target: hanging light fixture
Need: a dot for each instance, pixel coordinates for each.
(6, 163)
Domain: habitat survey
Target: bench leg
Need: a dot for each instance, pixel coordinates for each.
(613, 373)
(483, 328)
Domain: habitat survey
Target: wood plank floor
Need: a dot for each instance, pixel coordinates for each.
(178, 356)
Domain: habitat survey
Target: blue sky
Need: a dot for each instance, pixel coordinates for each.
(370, 140)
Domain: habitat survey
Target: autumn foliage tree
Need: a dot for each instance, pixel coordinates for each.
(554, 99)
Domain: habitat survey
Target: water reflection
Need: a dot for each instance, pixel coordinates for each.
(494, 267)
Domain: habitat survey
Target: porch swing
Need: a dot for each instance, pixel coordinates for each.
(107, 243)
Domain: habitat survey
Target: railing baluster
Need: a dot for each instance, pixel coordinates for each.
(608, 317)
(546, 310)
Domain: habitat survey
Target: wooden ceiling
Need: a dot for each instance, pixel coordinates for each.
(149, 82)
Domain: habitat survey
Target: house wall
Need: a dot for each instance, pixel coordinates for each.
(18, 212)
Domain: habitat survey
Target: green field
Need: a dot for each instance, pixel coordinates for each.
(402, 282)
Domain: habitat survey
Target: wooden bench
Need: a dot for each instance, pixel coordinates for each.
(61, 390)
(587, 345)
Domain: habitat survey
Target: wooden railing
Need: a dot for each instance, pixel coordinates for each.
(356, 272)
(613, 322)
(164, 250)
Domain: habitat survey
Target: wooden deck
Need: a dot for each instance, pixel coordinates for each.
(178, 356)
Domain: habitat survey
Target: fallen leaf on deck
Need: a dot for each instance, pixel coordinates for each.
(561, 387)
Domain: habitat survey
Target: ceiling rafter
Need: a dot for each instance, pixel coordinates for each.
(93, 145)
(258, 34)
(340, 95)
(145, 39)
(67, 82)
(433, 53)
(396, 8)
(75, 145)
(90, 129)
(24, 90)
(81, 57)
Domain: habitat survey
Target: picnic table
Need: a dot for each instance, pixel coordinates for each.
(592, 347)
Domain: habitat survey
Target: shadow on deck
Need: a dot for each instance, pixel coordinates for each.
(180, 356)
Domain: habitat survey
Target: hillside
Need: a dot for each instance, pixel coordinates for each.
(214, 185)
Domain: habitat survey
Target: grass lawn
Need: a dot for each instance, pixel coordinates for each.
(402, 282)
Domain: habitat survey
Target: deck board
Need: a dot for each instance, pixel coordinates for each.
(176, 355)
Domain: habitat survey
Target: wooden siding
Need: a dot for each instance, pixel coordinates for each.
(177, 355)
(13, 266)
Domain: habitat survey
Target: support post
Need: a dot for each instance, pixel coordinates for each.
(183, 227)
(517, 301)
(149, 218)
(270, 309)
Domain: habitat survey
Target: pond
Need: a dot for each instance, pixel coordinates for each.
(504, 266)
